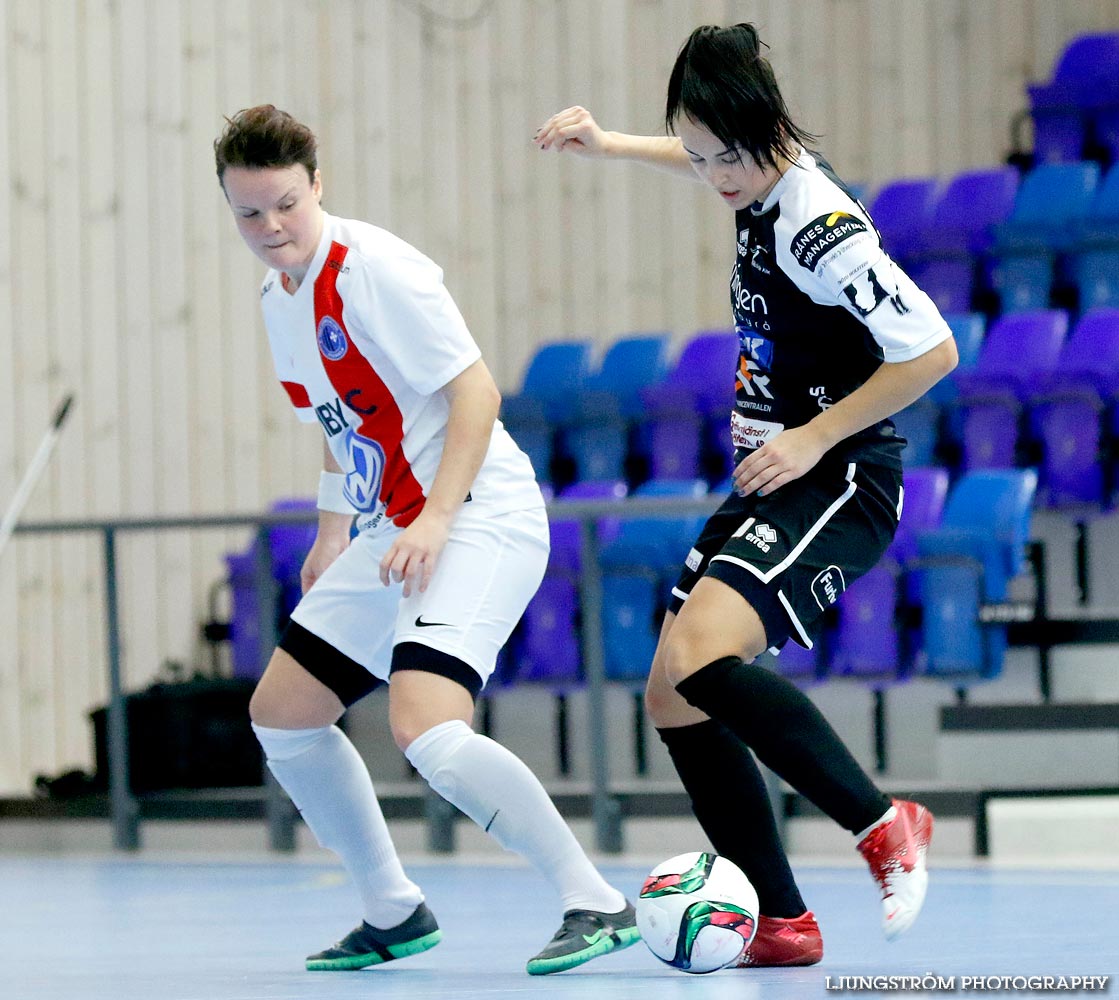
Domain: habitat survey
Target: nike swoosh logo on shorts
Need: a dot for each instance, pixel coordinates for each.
(420, 623)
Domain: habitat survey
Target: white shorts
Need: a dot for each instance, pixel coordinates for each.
(483, 580)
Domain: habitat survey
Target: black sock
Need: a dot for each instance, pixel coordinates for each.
(731, 802)
(789, 735)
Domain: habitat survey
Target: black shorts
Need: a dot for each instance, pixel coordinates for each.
(792, 553)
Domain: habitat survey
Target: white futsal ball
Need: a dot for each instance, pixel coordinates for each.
(698, 912)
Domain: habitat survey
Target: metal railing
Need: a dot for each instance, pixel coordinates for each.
(123, 805)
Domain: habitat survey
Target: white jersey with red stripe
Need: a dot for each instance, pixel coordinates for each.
(364, 345)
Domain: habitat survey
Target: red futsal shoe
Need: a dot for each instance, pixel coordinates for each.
(784, 941)
(895, 852)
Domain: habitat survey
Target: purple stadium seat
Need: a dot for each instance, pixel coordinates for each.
(960, 232)
(1019, 351)
(548, 650)
(948, 281)
(689, 408)
(1063, 108)
(804, 666)
(1068, 411)
(972, 204)
(902, 211)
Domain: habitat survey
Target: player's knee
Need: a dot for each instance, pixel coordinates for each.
(406, 727)
(262, 706)
(656, 703)
(687, 652)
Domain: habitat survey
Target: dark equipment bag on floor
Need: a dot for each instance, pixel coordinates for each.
(194, 734)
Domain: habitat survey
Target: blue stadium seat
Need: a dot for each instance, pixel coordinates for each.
(555, 375)
(629, 366)
(1049, 207)
(967, 562)
(639, 567)
(869, 640)
(525, 418)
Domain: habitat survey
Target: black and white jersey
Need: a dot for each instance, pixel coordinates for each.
(818, 306)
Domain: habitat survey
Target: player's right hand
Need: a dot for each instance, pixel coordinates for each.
(327, 547)
(573, 130)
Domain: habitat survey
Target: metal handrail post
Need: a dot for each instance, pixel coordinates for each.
(122, 806)
(605, 810)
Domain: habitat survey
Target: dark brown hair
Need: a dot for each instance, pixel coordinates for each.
(265, 136)
(722, 81)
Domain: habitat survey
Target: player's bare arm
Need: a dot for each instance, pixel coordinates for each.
(332, 537)
(891, 388)
(574, 130)
(474, 402)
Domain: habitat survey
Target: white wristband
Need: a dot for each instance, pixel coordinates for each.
(331, 496)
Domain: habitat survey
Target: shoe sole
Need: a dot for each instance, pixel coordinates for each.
(620, 939)
(347, 963)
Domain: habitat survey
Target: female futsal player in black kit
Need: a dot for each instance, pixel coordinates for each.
(834, 338)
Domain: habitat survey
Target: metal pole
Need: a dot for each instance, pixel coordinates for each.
(122, 806)
(605, 810)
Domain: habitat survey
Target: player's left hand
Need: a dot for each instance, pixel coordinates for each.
(787, 457)
(413, 555)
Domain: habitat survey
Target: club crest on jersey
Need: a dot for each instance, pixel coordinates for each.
(823, 235)
(332, 340)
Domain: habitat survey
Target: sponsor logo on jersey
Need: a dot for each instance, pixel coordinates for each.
(754, 362)
(820, 394)
(827, 586)
(332, 417)
(332, 341)
(751, 434)
(266, 289)
(750, 308)
(757, 254)
(363, 482)
(823, 234)
(871, 288)
(759, 349)
(695, 557)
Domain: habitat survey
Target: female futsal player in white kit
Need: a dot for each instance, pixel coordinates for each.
(452, 543)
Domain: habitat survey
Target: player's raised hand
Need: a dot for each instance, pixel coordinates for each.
(412, 557)
(573, 130)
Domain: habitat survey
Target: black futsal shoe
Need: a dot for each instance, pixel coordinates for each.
(369, 945)
(583, 935)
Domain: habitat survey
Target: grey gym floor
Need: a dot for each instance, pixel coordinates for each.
(110, 929)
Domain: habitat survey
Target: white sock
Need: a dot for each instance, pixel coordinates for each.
(330, 785)
(496, 790)
(887, 817)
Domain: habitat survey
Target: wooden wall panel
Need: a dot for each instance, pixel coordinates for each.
(122, 276)
(12, 770)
